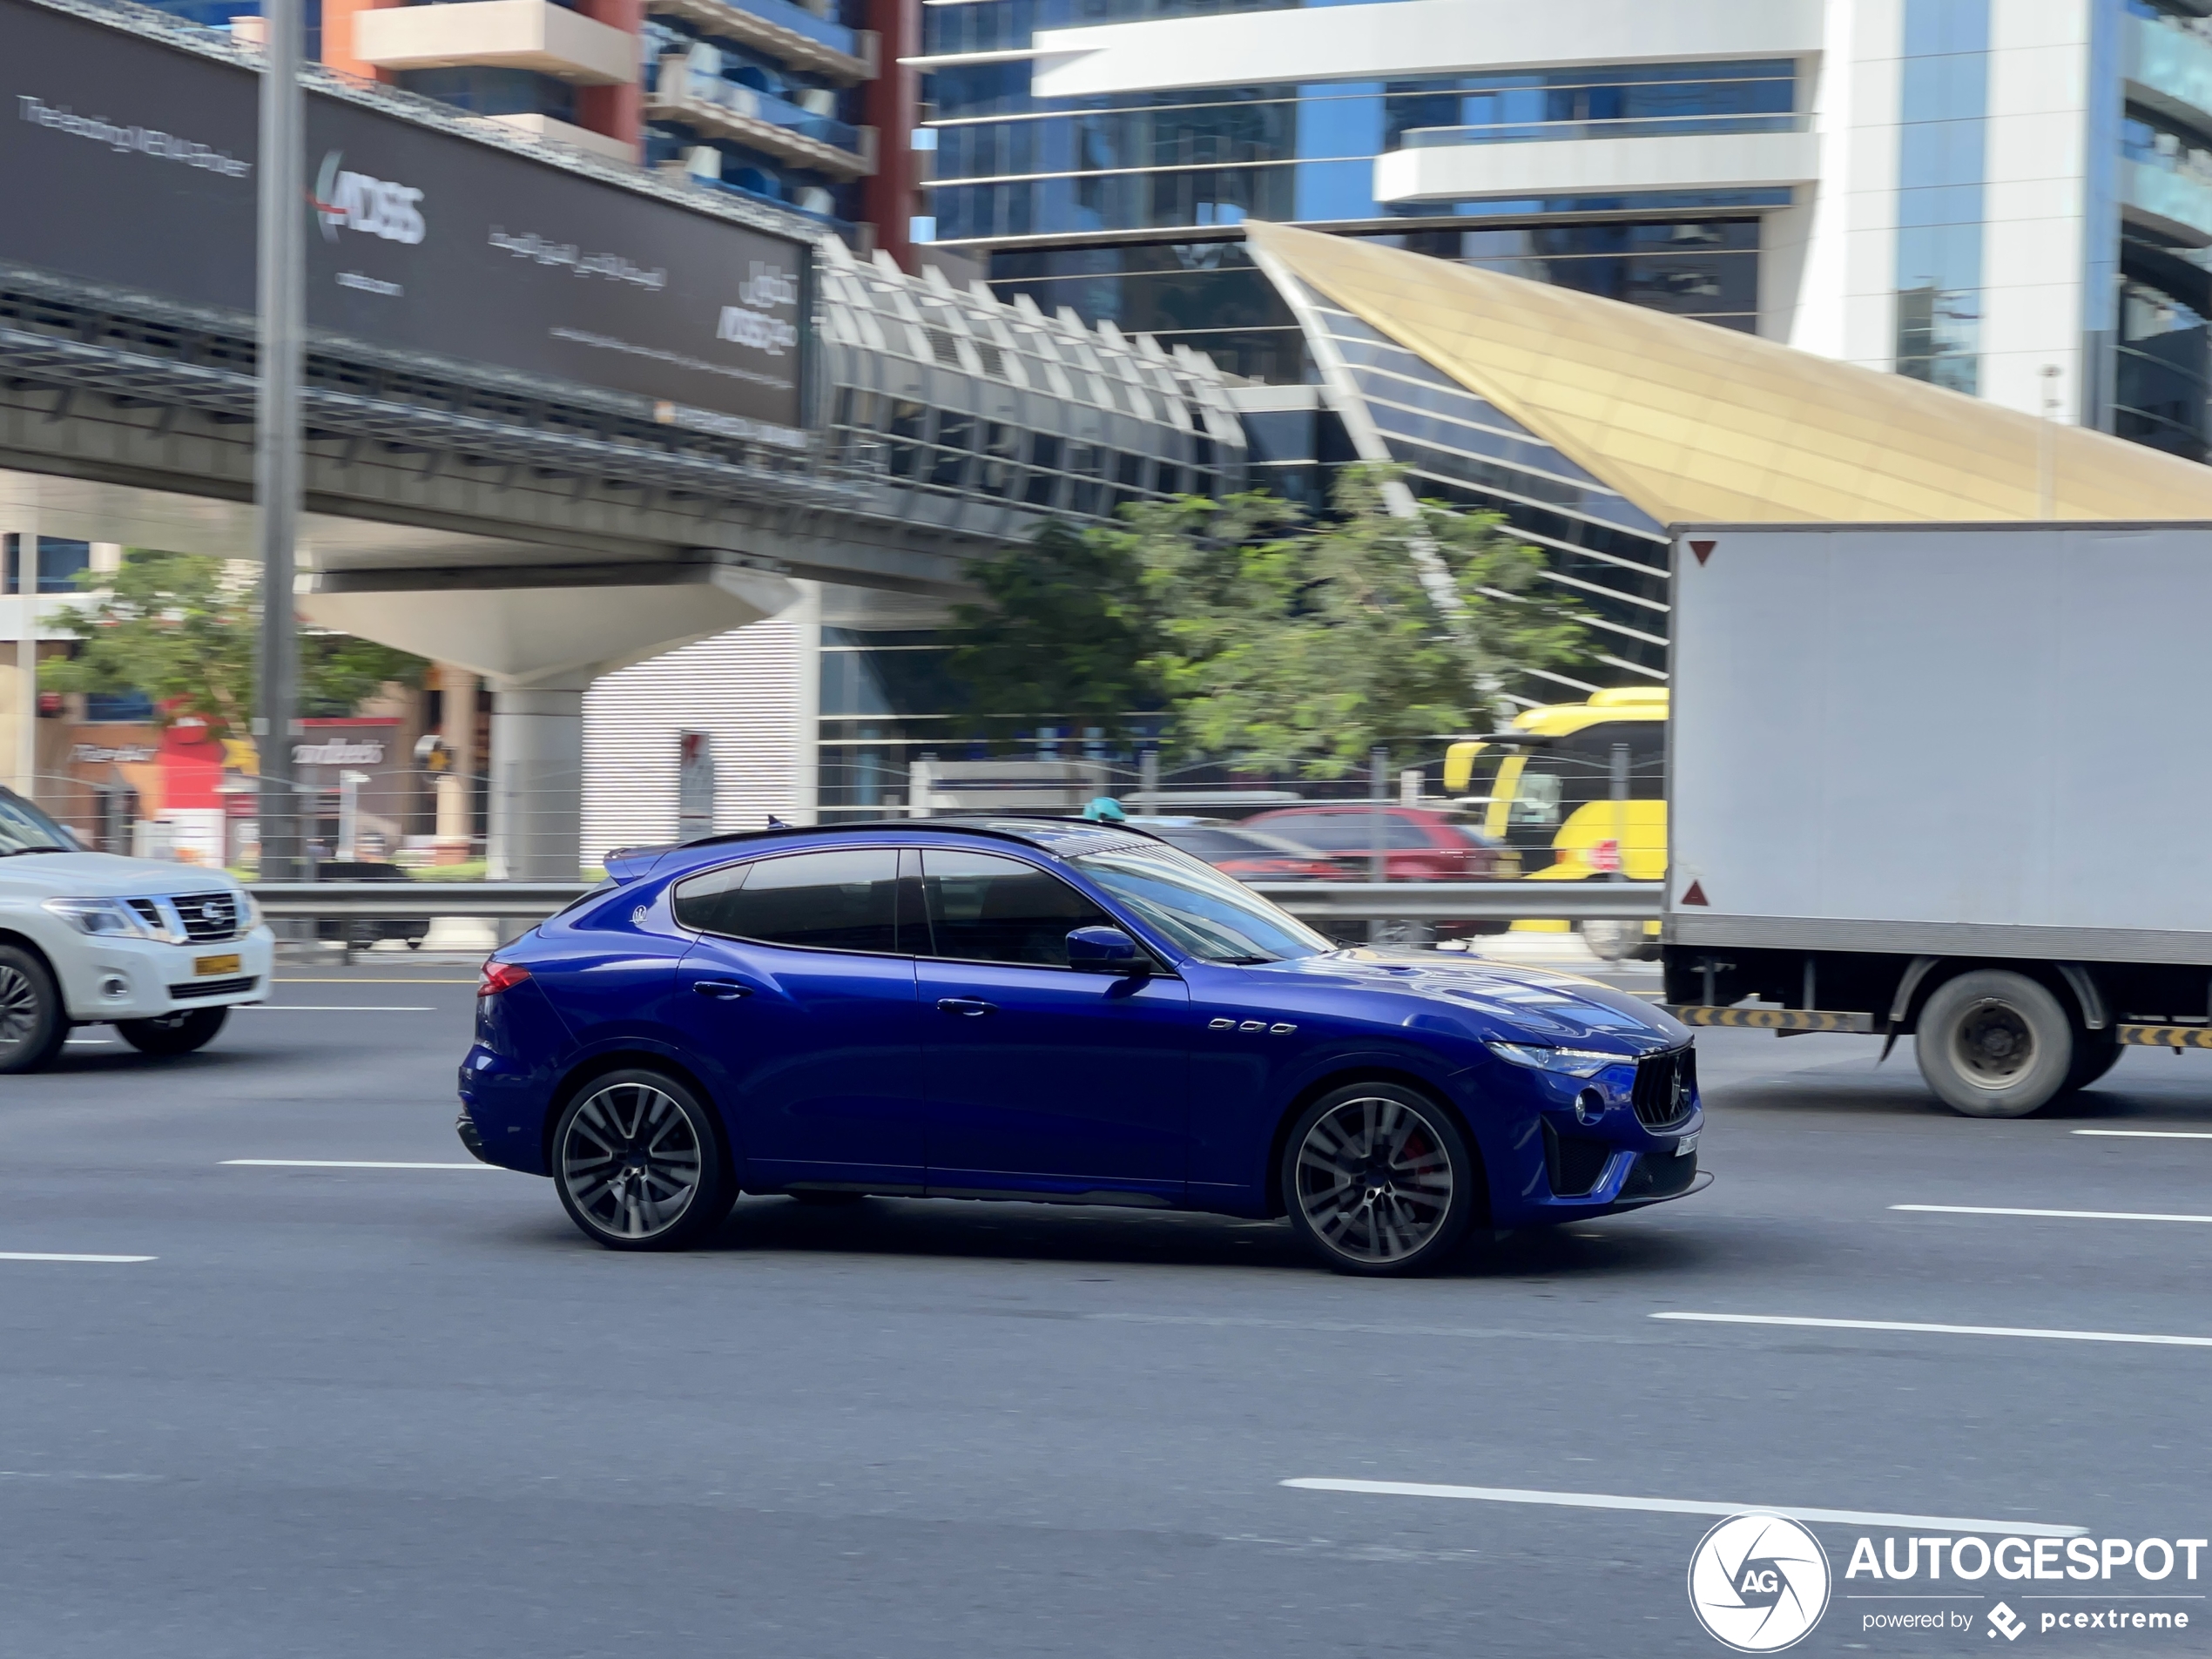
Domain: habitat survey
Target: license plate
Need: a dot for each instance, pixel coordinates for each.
(1688, 1144)
(208, 966)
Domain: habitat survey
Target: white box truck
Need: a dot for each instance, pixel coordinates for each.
(1944, 781)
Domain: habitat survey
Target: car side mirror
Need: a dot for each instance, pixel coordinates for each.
(1105, 950)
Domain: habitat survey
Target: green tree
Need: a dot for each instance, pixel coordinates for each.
(1063, 631)
(1278, 642)
(174, 626)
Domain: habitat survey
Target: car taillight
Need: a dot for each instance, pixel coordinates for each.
(500, 976)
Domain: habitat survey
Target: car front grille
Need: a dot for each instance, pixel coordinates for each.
(192, 990)
(206, 918)
(1666, 1091)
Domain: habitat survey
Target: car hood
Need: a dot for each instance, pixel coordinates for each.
(103, 875)
(1492, 999)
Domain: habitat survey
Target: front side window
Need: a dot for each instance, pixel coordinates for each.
(23, 828)
(984, 907)
(1205, 912)
(841, 900)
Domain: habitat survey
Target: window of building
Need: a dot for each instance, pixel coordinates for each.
(1941, 139)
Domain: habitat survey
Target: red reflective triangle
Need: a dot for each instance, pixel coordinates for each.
(1696, 895)
(1702, 550)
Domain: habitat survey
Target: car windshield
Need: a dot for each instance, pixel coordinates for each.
(23, 828)
(1205, 912)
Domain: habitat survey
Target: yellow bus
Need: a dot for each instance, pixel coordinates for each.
(1575, 790)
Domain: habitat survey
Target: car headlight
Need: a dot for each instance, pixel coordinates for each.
(249, 911)
(1574, 1062)
(109, 916)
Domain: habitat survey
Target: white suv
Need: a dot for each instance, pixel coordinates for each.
(161, 952)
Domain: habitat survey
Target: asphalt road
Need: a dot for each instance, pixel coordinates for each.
(381, 1412)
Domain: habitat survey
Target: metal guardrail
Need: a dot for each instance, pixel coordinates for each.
(1468, 901)
(524, 900)
(1334, 900)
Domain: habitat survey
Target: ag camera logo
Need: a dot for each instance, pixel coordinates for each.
(1758, 1583)
(355, 201)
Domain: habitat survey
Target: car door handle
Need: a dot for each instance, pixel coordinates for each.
(723, 991)
(973, 1007)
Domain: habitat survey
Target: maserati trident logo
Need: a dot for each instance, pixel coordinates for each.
(1758, 1583)
(355, 201)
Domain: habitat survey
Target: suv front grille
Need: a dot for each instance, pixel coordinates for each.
(208, 916)
(1666, 1091)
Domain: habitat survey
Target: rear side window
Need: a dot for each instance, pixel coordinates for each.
(843, 901)
(985, 908)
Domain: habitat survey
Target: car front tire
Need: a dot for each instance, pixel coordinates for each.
(32, 1024)
(1994, 1044)
(637, 1160)
(1379, 1181)
(173, 1034)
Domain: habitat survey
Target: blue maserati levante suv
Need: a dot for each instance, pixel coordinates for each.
(1055, 1011)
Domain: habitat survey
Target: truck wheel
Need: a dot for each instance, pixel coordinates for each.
(172, 1034)
(1995, 1044)
(32, 1025)
(2095, 1054)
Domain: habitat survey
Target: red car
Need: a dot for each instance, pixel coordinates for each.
(1248, 856)
(1419, 845)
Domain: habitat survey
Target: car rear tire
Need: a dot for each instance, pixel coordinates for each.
(639, 1163)
(1379, 1181)
(33, 1024)
(1995, 1044)
(173, 1034)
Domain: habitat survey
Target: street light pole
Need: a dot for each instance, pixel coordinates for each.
(281, 288)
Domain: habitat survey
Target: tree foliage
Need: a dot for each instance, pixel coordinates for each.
(1278, 642)
(173, 626)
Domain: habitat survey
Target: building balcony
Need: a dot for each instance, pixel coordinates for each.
(2171, 203)
(497, 34)
(549, 129)
(1594, 158)
(2169, 70)
(778, 28)
(716, 108)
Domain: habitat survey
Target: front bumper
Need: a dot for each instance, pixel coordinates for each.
(104, 978)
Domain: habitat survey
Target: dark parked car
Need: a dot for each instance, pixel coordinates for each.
(1251, 856)
(1419, 844)
(359, 932)
(1054, 1011)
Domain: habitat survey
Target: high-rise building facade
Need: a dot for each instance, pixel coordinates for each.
(2011, 198)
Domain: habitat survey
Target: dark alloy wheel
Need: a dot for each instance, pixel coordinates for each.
(33, 1025)
(168, 1034)
(639, 1163)
(1379, 1180)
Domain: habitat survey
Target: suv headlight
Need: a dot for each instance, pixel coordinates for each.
(1574, 1062)
(109, 916)
(249, 911)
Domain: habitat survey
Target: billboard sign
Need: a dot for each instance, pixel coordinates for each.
(131, 163)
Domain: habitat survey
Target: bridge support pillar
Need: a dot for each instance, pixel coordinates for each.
(537, 781)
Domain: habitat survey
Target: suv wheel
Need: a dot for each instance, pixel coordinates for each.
(32, 1024)
(639, 1163)
(170, 1033)
(1379, 1180)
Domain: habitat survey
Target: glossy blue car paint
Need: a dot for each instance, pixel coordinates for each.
(906, 1073)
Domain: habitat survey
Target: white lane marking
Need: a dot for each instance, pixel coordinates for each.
(90, 1042)
(53, 1256)
(2055, 1215)
(2150, 1339)
(343, 1164)
(338, 1008)
(1682, 1506)
(2150, 1134)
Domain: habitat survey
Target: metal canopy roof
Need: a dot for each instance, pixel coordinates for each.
(1696, 424)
